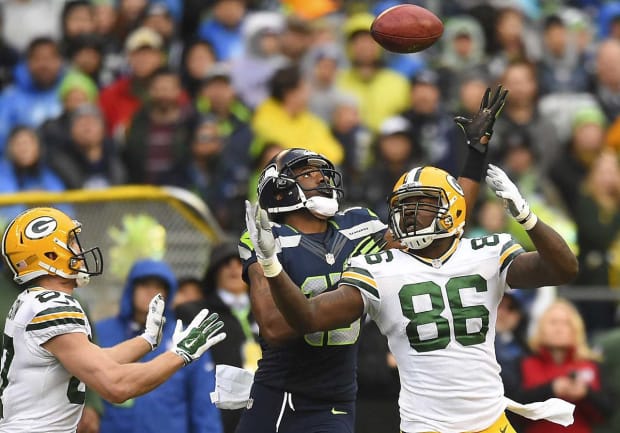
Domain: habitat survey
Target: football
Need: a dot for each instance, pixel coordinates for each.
(406, 28)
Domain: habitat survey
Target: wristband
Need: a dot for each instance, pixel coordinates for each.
(271, 266)
(529, 222)
(474, 166)
(149, 339)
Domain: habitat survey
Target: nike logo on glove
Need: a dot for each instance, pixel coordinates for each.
(339, 412)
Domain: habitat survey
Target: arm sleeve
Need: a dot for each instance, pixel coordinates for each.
(54, 319)
(204, 416)
(508, 251)
(364, 281)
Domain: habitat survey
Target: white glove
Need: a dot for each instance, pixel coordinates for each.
(259, 228)
(503, 187)
(155, 321)
(196, 339)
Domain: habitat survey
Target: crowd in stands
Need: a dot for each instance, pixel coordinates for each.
(200, 94)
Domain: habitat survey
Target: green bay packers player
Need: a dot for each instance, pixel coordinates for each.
(435, 300)
(48, 357)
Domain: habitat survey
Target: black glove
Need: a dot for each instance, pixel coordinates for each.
(481, 125)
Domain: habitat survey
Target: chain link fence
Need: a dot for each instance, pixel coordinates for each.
(127, 224)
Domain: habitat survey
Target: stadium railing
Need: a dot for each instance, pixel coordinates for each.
(129, 223)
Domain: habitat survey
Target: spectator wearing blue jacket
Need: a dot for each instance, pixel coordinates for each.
(223, 29)
(180, 405)
(33, 98)
(23, 169)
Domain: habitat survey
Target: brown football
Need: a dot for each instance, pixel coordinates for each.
(406, 28)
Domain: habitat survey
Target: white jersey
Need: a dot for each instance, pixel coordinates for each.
(439, 317)
(38, 394)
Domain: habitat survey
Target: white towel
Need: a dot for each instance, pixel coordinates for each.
(232, 387)
(554, 409)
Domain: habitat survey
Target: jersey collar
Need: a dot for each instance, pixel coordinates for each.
(439, 261)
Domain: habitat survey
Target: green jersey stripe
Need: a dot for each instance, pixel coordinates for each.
(55, 322)
(64, 309)
(510, 258)
(507, 245)
(361, 285)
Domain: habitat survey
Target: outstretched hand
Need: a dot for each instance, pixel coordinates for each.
(155, 321)
(198, 337)
(505, 189)
(479, 129)
(259, 229)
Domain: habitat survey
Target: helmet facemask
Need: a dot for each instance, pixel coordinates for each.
(407, 209)
(280, 190)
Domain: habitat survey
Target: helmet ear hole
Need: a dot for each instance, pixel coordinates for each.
(51, 255)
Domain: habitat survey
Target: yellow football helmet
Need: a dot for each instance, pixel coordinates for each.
(44, 241)
(443, 196)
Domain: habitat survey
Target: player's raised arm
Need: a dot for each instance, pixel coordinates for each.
(553, 262)
(118, 382)
(135, 348)
(329, 310)
(478, 131)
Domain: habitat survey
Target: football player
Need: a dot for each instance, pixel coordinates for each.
(306, 381)
(48, 357)
(435, 300)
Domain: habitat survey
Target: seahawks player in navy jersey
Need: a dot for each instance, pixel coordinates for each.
(306, 383)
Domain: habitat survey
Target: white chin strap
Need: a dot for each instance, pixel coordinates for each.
(322, 207)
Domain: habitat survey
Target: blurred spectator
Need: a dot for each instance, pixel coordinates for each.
(297, 126)
(198, 58)
(128, 16)
(227, 294)
(121, 99)
(432, 128)
(395, 154)
(262, 57)
(75, 89)
(27, 20)
(490, 217)
(8, 59)
(462, 55)
(521, 112)
(296, 39)
(193, 12)
(91, 160)
(586, 143)
(78, 19)
(562, 68)
(213, 172)
(182, 404)
(86, 56)
(609, 344)
(23, 169)
(323, 67)
(513, 40)
(606, 81)
(608, 21)
(382, 92)
(217, 99)
(355, 138)
(597, 215)
(189, 290)
(33, 97)
(563, 366)
(223, 28)
(511, 343)
(159, 132)
(159, 18)
(376, 406)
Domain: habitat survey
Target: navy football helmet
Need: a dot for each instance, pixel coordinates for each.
(280, 192)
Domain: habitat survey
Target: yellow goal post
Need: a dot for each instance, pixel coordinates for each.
(129, 223)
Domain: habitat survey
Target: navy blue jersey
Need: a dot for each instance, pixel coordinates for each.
(321, 365)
